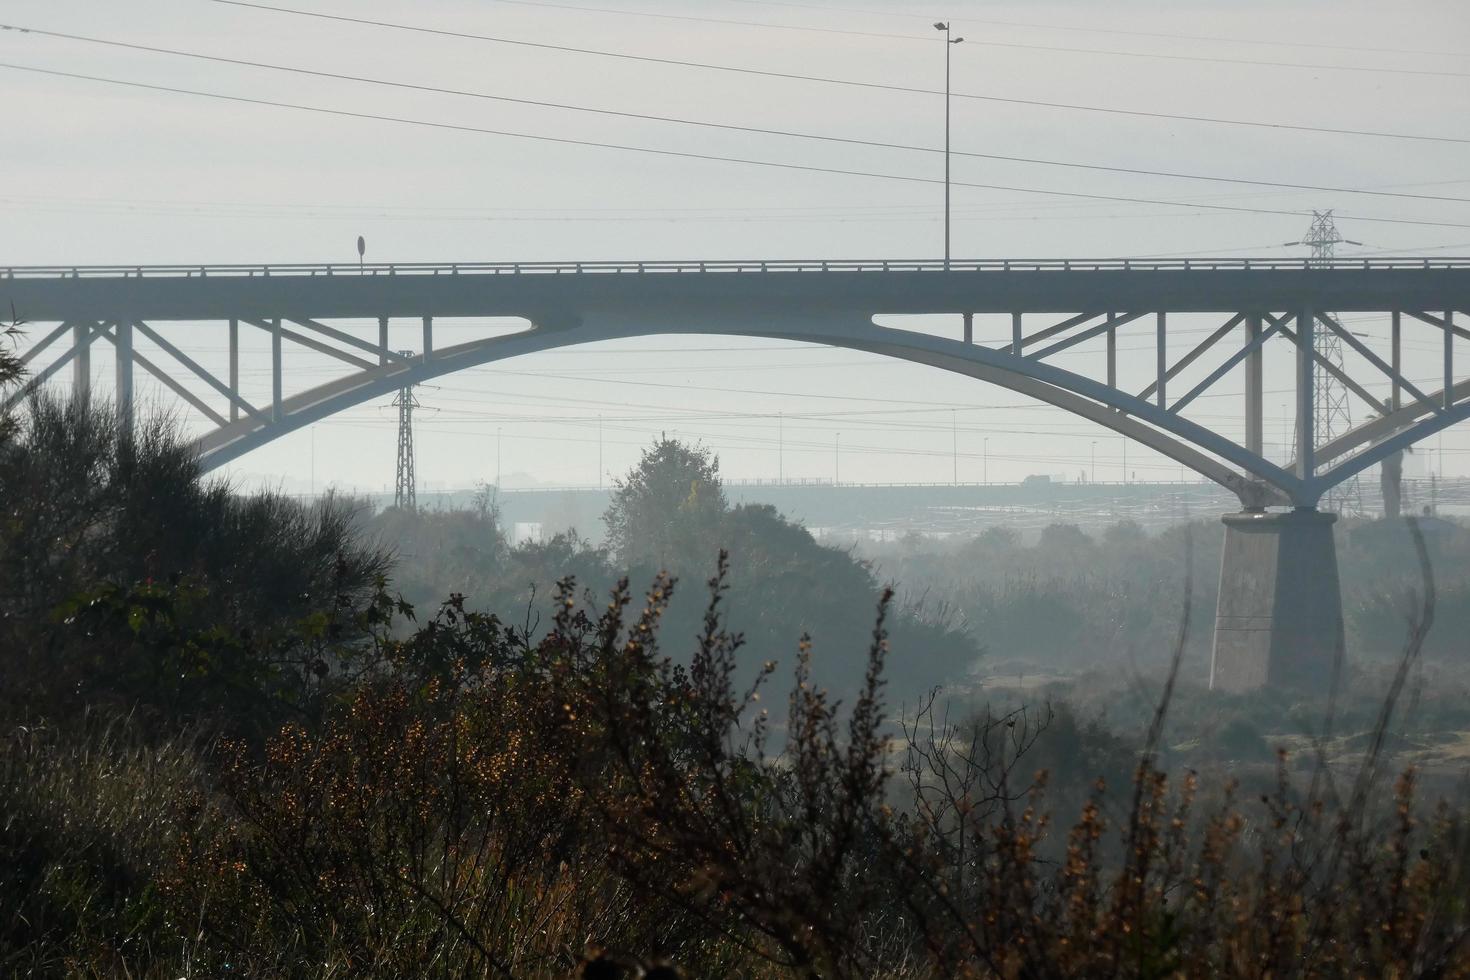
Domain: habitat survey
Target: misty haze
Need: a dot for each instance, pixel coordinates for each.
(645, 488)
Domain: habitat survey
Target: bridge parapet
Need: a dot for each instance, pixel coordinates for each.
(722, 266)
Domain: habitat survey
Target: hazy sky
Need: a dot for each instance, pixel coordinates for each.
(96, 172)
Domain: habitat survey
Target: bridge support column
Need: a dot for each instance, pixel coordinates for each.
(276, 367)
(1279, 619)
(235, 368)
(123, 371)
(81, 365)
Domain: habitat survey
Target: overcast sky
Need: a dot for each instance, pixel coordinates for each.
(98, 172)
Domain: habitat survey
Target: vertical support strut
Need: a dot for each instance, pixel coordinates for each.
(428, 337)
(1398, 360)
(1163, 360)
(81, 365)
(382, 340)
(1113, 358)
(1449, 358)
(124, 385)
(1254, 389)
(1016, 334)
(969, 328)
(235, 369)
(276, 369)
(1306, 395)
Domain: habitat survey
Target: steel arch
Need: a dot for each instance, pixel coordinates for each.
(1165, 432)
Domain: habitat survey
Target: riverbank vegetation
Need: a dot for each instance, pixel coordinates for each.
(230, 747)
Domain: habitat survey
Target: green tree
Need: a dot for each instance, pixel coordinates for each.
(669, 507)
(121, 566)
(442, 553)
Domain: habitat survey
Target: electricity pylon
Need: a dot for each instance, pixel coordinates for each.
(1332, 411)
(405, 491)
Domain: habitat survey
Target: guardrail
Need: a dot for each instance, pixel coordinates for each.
(722, 266)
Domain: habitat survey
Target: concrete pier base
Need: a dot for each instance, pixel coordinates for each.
(1279, 619)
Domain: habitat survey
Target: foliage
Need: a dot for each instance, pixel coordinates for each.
(11, 371)
(663, 510)
(778, 853)
(1061, 601)
(439, 553)
(469, 797)
(86, 824)
(489, 805)
(1064, 601)
(782, 582)
(216, 593)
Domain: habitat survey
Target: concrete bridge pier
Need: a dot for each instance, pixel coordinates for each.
(1279, 619)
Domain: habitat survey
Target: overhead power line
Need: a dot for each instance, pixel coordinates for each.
(987, 43)
(856, 83)
(1071, 29)
(307, 213)
(1107, 52)
(886, 35)
(1251, 62)
(689, 155)
(998, 211)
(705, 124)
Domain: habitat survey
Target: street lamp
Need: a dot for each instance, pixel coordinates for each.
(949, 42)
(1092, 477)
(985, 472)
(837, 459)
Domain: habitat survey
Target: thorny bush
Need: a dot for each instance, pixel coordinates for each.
(483, 805)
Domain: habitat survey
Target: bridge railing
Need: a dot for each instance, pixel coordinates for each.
(723, 266)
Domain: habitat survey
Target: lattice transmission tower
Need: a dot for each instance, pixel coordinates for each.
(405, 490)
(1333, 411)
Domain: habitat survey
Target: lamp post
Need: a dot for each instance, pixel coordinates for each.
(985, 458)
(954, 421)
(1092, 475)
(837, 460)
(949, 42)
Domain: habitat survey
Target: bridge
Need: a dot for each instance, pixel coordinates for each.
(1280, 613)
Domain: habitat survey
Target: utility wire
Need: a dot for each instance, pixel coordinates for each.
(1094, 30)
(981, 42)
(274, 212)
(835, 81)
(887, 35)
(713, 212)
(688, 155)
(727, 127)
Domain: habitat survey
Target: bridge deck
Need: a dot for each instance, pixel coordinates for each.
(553, 292)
